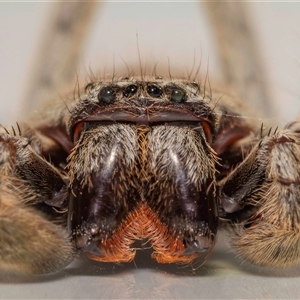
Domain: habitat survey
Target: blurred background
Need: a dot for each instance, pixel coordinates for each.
(176, 36)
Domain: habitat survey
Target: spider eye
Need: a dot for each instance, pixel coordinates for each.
(194, 84)
(130, 90)
(107, 95)
(154, 91)
(89, 86)
(178, 95)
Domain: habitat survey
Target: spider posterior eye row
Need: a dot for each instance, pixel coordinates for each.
(174, 93)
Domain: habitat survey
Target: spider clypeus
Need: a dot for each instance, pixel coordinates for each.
(146, 158)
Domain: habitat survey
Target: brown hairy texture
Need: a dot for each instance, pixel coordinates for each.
(271, 237)
(142, 223)
(29, 243)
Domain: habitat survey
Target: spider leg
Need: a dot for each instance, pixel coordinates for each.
(261, 198)
(31, 241)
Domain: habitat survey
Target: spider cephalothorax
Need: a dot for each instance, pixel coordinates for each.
(148, 158)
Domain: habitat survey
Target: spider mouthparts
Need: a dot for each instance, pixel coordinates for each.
(200, 244)
(230, 204)
(92, 247)
(87, 245)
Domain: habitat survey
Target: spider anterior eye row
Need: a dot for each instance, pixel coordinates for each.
(178, 95)
(154, 91)
(107, 95)
(130, 90)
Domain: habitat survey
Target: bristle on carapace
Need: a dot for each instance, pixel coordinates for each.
(140, 224)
